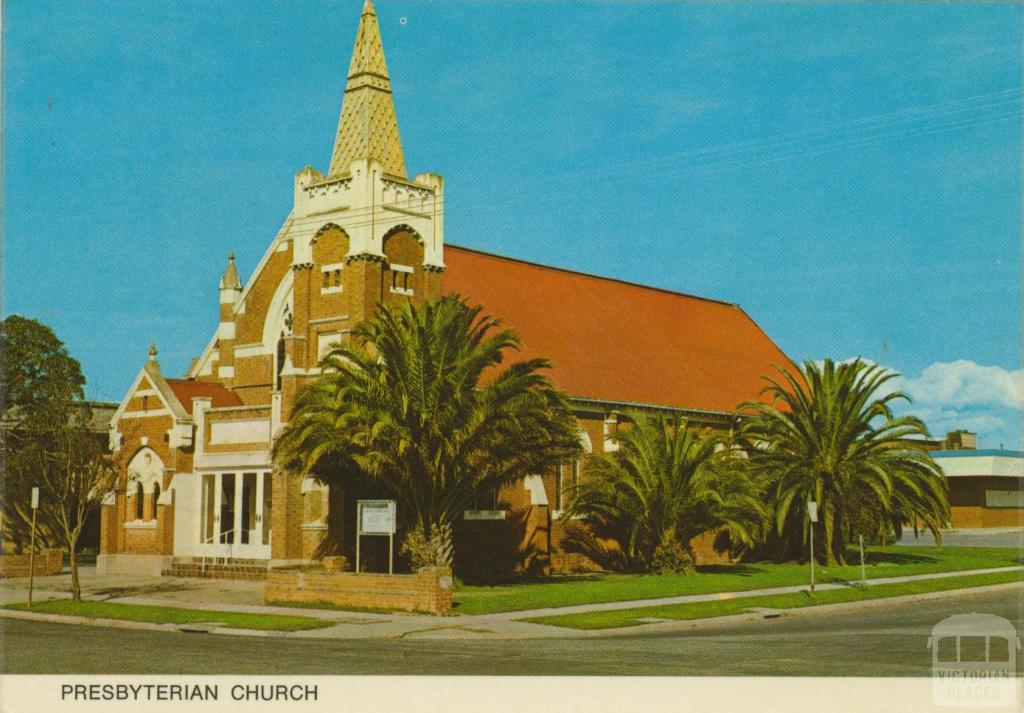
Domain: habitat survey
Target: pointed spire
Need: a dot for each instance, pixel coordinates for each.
(368, 127)
(152, 363)
(229, 280)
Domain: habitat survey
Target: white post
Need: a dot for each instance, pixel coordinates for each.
(359, 528)
(32, 547)
(812, 516)
(391, 553)
(863, 575)
(812, 558)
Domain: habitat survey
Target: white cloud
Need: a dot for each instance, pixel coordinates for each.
(988, 400)
(965, 383)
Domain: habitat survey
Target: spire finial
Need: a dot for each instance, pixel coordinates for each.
(368, 127)
(229, 280)
(152, 351)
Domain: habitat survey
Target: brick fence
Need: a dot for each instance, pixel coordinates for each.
(47, 562)
(429, 590)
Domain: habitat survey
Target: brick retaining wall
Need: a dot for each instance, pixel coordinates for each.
(47, 562)
(427, 591)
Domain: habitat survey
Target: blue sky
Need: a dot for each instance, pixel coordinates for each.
(849, 174)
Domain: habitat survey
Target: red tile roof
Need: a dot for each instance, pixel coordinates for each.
(185, 390)
(610, 340)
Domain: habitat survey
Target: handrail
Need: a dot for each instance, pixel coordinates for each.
(230, 544)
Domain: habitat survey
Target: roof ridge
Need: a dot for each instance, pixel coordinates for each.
(580, 273)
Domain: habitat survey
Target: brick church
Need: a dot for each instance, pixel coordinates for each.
(197, 483)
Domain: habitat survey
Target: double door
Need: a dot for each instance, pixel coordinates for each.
(235, 515)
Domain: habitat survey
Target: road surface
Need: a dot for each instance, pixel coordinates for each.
(880, 641)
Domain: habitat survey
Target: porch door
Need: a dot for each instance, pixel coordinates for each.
(236, 515)
(254, 516)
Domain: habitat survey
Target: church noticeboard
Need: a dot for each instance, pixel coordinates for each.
(376, 517)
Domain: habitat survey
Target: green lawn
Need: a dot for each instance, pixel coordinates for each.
(739, 605)
(171, 615)
(589, 589)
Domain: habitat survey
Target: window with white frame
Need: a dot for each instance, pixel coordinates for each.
(401, 280)
(331, 278)
(567, 477)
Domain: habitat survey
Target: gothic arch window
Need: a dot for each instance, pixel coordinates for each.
(278, 320)
(145, 473)
(279, 355)
(156, 496)
(139, 500)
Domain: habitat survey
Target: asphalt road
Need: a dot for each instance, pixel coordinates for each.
(883, 641)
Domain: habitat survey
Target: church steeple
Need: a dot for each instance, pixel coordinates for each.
(368, 127)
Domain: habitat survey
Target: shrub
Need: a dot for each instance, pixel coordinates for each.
(433, 549)
(670, 557)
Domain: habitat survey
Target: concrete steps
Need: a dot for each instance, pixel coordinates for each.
(217, 568)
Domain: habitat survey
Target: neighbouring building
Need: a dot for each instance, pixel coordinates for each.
(197, 483)
(986, 485)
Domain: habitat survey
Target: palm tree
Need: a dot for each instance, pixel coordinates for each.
(830, 436)
(421, 401)
(663, 486)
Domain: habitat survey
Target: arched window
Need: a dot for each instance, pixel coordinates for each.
(138, 501)
(156, 496)
(279, 364)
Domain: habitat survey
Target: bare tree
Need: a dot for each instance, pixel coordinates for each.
(73, 472)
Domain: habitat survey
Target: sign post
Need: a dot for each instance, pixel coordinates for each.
(32, 547)
(376, 517)
(863, 574)
(812, 514)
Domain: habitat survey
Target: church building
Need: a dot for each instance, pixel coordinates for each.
(199, 494)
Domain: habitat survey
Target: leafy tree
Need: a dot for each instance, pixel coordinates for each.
(36, 371)
(665, 485)
(37, 368)
(830, 436)
(47, 439)
(422, 402)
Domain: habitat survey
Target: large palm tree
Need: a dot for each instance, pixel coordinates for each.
(666, 484)
(830, 436)
(421, 401)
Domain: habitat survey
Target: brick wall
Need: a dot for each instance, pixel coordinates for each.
(426, 591)
(47, 562)
(704, 552)
(968, 517)
(286, 543)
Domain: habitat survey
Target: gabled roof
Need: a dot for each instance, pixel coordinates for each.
(615, 341)
(185, 390)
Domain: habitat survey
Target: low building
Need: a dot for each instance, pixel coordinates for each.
(197, 480)
(986, 486)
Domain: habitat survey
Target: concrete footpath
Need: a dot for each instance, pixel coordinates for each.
(235, 596)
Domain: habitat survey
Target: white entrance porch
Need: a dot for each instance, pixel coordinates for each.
(234, 515)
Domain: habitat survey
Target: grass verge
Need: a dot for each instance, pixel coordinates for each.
(893, 561)
(739, 605)
(172, 615)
